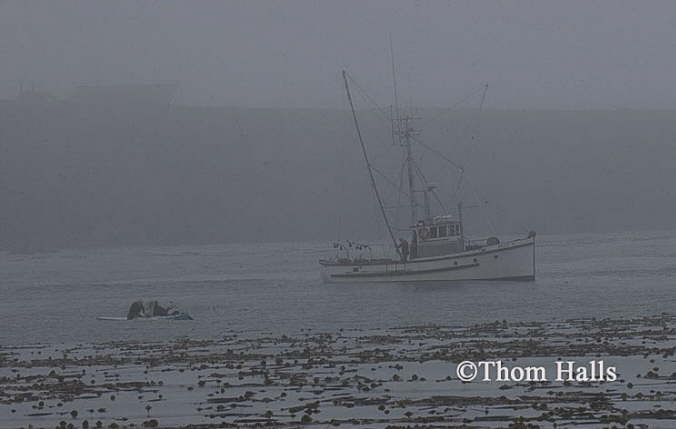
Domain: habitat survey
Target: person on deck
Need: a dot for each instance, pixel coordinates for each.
(403, 250)
(414, 245)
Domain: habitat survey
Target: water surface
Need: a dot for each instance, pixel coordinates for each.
(55, 297)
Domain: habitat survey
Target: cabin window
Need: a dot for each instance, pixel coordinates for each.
(442, 231)
(433, 232)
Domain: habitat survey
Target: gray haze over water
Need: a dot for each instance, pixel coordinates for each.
(98, 175)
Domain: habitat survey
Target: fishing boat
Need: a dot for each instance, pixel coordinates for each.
(438, 249)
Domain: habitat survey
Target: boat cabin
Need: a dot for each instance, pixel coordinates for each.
(440, 235)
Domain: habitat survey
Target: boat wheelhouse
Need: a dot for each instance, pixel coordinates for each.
(441, 235)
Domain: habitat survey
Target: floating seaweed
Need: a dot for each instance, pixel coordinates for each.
(388, 378)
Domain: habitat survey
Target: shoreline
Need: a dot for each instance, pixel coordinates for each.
(401, 376)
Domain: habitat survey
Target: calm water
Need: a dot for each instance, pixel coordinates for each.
(55, 297)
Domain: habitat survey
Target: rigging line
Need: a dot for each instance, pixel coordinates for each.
(480, 202)
(436, 197)
(481, 107)
(396, 207)
(471, 128)
(420, 173)
(401, 187)
(472, 93)
(387, 179)
(376, 107)
(457, 187)
(368, 165)
(440, 154)
(392, 121)
(340, 179)
(445, 158)
(424, 179)
(368, 98)
(478, 134)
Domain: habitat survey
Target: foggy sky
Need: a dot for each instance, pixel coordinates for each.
(533, 54)
(76, 172)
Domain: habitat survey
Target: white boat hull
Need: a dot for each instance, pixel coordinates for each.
(514, 260)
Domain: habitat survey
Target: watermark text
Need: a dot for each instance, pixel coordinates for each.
(560, 371)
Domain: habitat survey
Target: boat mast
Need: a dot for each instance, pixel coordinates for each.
(408, 132)
(368, 165)
(405, 133)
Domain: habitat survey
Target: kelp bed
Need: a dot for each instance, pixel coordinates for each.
(396, 378)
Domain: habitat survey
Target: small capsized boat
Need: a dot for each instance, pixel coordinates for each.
(150, 310)
(179, 316)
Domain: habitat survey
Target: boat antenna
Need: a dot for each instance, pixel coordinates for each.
(405, 133)
(394, 89)
(481, 107)
(368, 165)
